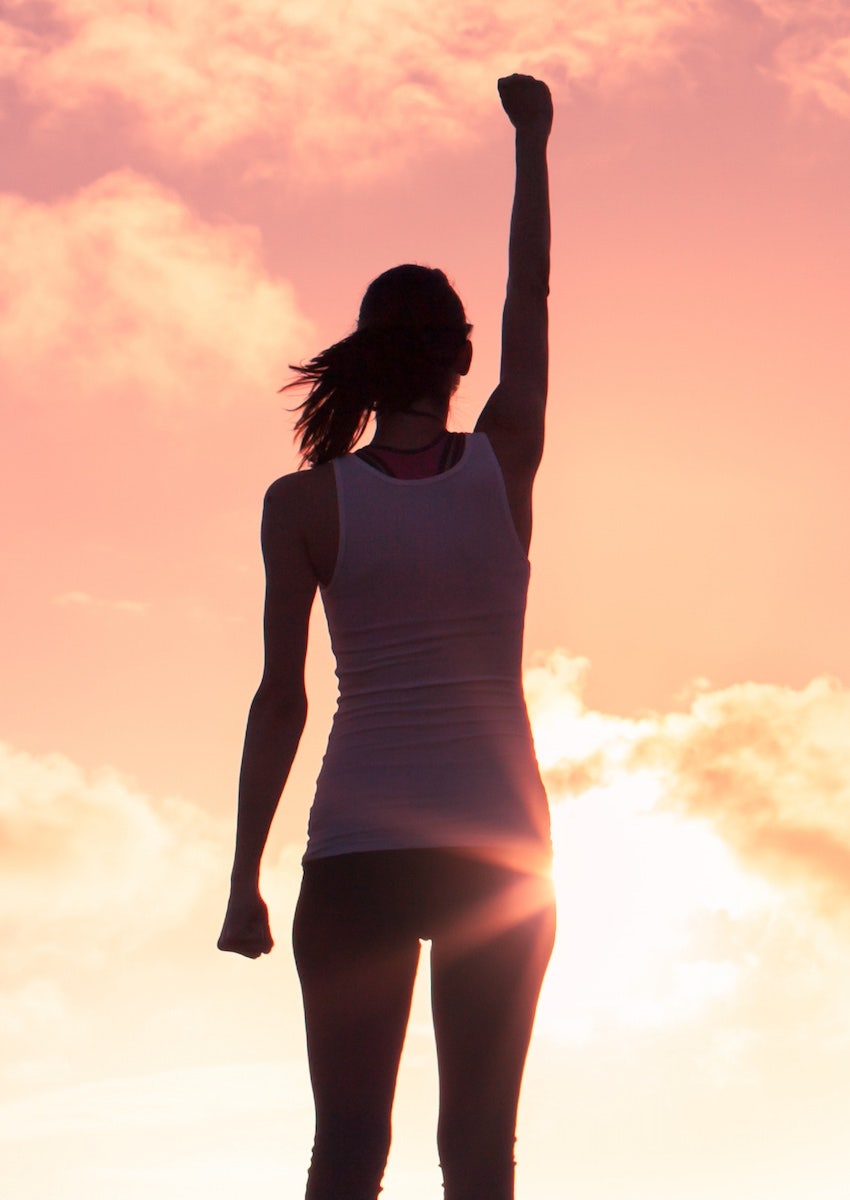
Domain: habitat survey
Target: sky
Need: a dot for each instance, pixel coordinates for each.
(194, 196)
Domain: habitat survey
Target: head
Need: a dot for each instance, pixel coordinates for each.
(410, 347)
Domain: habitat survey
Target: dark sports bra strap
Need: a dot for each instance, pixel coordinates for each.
(444, 451)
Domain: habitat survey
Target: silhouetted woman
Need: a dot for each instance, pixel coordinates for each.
(429, 819)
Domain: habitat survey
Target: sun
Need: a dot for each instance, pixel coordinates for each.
(647, 898)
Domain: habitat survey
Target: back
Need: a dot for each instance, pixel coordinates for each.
(430, 743)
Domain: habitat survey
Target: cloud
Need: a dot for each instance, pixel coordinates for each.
(102, 890)
(768, 767)
(16, 46)
(812, 55)
(817, 66)
(355, 87)
(110, 905)
(675, 975)
(90, 860)
(181, 1097)
(121, 291)
(135, 608)
(369, 81)
(37, 1002)
(702, 862)
(119, 1019)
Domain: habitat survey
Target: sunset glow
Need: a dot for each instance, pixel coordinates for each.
(192, 197)
(641, 891)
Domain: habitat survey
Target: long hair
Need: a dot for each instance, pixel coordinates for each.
(409, 332)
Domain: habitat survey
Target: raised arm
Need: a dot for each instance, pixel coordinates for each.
(277, 715)
(513, 417)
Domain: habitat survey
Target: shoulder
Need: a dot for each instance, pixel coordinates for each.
(292, 489)
(293, 496)
(300, 519)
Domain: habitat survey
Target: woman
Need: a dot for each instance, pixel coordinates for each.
(429, 819)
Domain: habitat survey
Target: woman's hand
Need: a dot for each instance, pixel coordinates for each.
(527, 101)
(246, 924)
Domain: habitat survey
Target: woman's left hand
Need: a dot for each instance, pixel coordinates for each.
(246, 924)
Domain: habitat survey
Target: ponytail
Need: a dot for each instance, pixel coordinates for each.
(337, 408)
(374, 369)
(404, 350)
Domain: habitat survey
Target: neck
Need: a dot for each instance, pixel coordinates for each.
(409, 430)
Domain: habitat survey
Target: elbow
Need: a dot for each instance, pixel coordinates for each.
(280, 701)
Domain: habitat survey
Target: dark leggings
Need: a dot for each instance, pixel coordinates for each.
(356, 936)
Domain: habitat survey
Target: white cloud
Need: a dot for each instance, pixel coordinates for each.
(767, 766)
(110, 905)
(370, 81)
(16, 45)
(681, 974)
(183, 1096)
(358, 86)
(812, 55)
(817, 66)
(99, 884)
(701, 858)
(135, 608)
(121, 291)
(770, 767)
(38, 1002)
(89, 859)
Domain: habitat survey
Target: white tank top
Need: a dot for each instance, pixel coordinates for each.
(430, 744)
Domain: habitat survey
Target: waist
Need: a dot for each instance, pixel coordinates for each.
(433, 711)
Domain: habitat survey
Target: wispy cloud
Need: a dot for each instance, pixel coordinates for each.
(90, 851)
(134, 608)
(182, 1096)
(120, 290)
(701, 855)
(689, 964)
(110, 905)
(372, 81)
(812, 50)
(767, 766)
(358, 88)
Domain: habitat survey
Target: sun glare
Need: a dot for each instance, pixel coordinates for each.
(648, 900)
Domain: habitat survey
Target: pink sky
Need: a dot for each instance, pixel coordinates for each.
(193, 196)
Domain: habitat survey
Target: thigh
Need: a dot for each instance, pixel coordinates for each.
(487, 966)
(357, 958)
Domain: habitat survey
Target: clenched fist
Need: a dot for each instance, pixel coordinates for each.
(246, 924)
(527, 101)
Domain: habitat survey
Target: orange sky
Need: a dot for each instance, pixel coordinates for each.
(191, 197)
